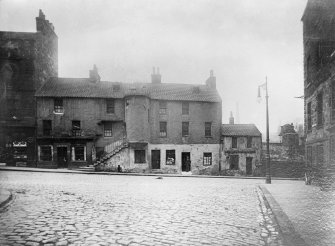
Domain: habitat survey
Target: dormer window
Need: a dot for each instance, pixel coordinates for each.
(58, 105)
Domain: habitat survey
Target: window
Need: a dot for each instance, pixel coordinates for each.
(309, 116)
(185, 129)
(208, 129)
(319, 109)
(162, 129)
(233, 162)
(170, 157)
(46, 153)
(319, 153)
(162, 107)
(58, 105)
(76, 131)
(110, 107)
(79, 153)
(46, 127)
(139, 156)
(185, 108)
(234, 142)
(108, 129)
(207, 159)
(309, 155)
(333, 101)
(249, 142)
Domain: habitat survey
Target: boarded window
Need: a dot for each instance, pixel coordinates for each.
(79, 153)
(249, 142)
(162, 107)
(139, 156)
(76, 130)
(309, 116)
(207, 159)
(185, 129)
(234, 142)
(108, 129)
(110, 107)
(45, 153)
(319, 109)
(162, 129)
(208, 129)
(58, 105)
(170, 157)
(46, 127)
(233, 162)
(185, 108)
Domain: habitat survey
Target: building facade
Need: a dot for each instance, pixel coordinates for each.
(136, 127)
(319, 84)
(27, 60)
(241, 148)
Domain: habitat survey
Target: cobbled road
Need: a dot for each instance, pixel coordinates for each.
(79, 209)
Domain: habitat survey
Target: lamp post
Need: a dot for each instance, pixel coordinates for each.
(268, 166)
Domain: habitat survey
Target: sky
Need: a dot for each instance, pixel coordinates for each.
(243, 41)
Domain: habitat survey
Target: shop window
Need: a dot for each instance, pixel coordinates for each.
(234, 142)
(46, 127)
(58, 105)
(249, 142)
(170, 157)
(45, 153)
(207, 159)
(139, 156)
(185, 108)
(185, 129)
(76, 130)
(208, 129)
(108, 129)
(162, 129)
(79, 153)
(110, 106)
(162, 107)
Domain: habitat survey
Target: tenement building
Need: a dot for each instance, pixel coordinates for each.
(136, 127)
(319, 83)
(27, 60)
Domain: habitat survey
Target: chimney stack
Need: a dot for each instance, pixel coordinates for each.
(211, 81)
(44, 26)
(94, 75)
(231, 118)
(156, 78)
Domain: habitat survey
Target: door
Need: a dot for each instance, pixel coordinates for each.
(155, 159)
(62, 157)
(185, 161)
(249, 166)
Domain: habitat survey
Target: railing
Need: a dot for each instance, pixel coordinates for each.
(111, 149)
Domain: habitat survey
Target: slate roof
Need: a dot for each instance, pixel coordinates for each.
(240, 130)
(84, 88)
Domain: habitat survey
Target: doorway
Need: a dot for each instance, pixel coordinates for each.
(249, 166)
(62, 157)
(185, 161)
(155, 159)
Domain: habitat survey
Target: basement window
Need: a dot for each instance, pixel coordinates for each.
(170, 157)
(139, 156)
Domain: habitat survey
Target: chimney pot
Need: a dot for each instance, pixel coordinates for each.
(156, 78)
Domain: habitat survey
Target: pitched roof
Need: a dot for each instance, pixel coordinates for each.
(240, 130)
(84, 88)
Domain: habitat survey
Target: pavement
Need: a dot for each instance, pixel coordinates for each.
(69, 209)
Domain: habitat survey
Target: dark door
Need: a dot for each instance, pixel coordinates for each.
(62, 157)
(156, 159)
(249, 166)
(185, 161)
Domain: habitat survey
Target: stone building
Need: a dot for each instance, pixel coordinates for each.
(241, 148)
(27, 60)
(143, 127)
(319, 84)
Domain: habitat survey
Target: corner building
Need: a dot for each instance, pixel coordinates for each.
(141, 127)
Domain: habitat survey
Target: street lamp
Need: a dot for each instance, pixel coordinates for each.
(267, 167)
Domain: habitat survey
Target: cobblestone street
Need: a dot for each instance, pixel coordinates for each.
(62, 209)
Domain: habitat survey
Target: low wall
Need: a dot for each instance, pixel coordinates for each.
(282, 169)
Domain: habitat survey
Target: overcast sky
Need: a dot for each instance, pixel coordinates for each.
(241, 40)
